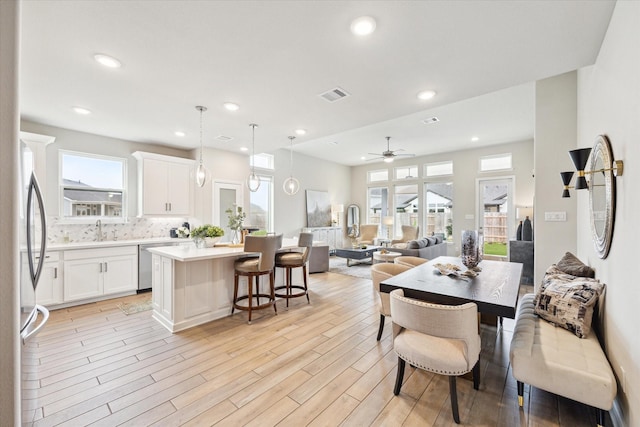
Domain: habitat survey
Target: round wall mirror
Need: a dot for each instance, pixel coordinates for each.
(353, 220)
(602, 196)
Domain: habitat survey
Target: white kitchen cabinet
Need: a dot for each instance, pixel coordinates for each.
(49, 290)
(165, 185)
(91, 273)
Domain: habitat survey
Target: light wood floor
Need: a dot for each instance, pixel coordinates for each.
(317, 364)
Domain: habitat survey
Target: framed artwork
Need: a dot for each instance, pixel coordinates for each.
(318, 209)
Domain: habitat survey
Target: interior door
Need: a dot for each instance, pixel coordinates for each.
(225, 196)
(494, 218)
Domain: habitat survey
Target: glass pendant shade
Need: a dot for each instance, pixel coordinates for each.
(253, 182)
(201, 173)
(291, 186)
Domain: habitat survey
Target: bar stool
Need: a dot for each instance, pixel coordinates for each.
(253, 267)
(290, 260)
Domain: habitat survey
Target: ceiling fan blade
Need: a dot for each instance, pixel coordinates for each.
(374, 154)
(399, 149)
(405, 155)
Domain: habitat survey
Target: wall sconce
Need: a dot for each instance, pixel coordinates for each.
(580, 158)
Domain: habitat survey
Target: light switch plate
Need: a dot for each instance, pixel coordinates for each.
(555, 216)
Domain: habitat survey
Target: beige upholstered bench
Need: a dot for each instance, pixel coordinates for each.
(554, 359)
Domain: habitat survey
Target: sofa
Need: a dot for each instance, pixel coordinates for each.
(426, 247)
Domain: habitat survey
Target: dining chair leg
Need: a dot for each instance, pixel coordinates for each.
(250, 295)
(272, 287)
(288, 285)
(454, 399)
(520, 393)
(381, 327)
(399, 376)
(235, 292)
(476, 375)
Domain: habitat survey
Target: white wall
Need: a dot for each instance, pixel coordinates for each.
(609, 103)
(465, 173)
(9, 257)
(555, 135)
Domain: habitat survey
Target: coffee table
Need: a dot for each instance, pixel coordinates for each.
(385, 257)
(357, 254)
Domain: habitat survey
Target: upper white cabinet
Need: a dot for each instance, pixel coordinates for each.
(165, 186)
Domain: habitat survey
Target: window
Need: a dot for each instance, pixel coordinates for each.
(439, 208)
(495, 163)
(406, 172)
(91, 185)
(438, 169)
(407, 204)
(377, 207)
(379, 175)
(261, 205)
(262, 161)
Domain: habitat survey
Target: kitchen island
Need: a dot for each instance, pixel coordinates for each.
(192, 286)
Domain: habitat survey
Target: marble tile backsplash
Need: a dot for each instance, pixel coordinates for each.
(134, 228)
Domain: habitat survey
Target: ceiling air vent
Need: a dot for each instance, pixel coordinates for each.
(223, 138)
(334, 94)
(430, 120)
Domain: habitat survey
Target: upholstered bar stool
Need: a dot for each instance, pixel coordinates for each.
(253, 267)
(291, 260)
(380, 272)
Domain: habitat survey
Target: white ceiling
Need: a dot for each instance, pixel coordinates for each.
(274, 58)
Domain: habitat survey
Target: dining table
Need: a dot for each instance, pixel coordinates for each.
(494, 288)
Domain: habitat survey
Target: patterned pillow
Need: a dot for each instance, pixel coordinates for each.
(570, 264)
(568, 303)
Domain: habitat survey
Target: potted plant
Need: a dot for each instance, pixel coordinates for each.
(207, 235)
(236, 217)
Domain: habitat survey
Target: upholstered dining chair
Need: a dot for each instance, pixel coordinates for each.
(368, 232)
(410, 261)
(442, 339)
(291, 260)
(252, 267)
(380, 272)
(409, 232)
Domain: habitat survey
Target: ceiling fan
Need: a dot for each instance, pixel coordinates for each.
(388, 155)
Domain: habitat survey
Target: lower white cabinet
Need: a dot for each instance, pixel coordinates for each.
(49, 290)
(90, 273)
(332, 236)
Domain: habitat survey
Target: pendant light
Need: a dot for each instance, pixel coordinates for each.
(253, 182)
(201, 172)
(291, 185)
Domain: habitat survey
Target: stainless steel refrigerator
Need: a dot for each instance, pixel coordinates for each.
(33, 245)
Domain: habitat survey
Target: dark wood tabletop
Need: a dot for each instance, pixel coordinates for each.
(494, 289)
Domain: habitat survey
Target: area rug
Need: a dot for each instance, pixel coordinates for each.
(135, 307)
(339, 265)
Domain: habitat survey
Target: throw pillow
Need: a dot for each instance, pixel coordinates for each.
(431, 241)
(569, 303)
(570, 264)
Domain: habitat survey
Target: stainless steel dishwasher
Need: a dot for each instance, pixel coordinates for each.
(144, 264)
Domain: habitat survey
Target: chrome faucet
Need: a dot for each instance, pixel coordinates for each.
(99, 236)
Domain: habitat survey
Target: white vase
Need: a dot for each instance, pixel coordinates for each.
(210, 242)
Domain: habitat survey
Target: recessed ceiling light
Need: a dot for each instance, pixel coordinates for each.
(475, 138)
(244, 149)
(301, 131)
(363, 26)
(80, 110)
(426, 94)
(363, 158)
(107, 61)
(430, 120)
(231, 106)
(179, 133)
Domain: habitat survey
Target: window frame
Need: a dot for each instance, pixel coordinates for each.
(446, 162)
(270, 214)
(123, 218)
(369, 173)
(409, 168)
(493, 157)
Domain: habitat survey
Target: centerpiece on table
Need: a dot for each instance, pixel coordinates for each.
(236, 217)
(206, 235)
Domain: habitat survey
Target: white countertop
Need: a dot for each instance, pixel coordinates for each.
(112, 243)
(191, 253)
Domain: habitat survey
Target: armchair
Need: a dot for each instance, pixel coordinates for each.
(409, 232)
(368, 232)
